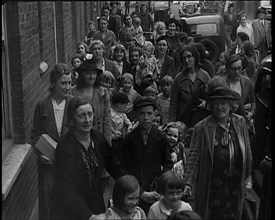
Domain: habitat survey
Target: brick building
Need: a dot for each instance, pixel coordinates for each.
(32, 33)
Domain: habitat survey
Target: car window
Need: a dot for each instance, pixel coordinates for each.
(204, 29)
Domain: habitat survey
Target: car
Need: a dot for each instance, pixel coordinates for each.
(162, 10)
(208, 30)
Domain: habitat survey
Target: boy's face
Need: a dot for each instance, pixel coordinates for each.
(166, 89)
(145, 116)
(127, 85)
(172, 135)
(172, 196)
(156, 121)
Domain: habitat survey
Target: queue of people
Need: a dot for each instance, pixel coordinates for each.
(144, 129)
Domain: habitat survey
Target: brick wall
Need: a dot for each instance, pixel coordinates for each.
(31, 40)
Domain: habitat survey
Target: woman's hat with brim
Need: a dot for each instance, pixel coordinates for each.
(88, 65)
(223, 93)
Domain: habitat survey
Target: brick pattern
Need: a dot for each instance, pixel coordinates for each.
(31, 40)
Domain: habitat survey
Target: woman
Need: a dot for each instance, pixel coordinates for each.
(87, 84)
(171, 34)
(147, 22)
(49, 118)
(218, 170)
(125, 34)
(106, 36)
(165, 64)
(80, 159)
(188, 90)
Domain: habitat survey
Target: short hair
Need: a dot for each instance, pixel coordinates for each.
(232, 59)
(73, 104)
(94, 42)
(182, 36)
(107, 75)
(158, 25)
(167, 80)
(133, 49)
(202, 50)
(137, 20)
(195, 53)
(150, 89)
(149, 44)
(243, 36)
(190, 39)
(103, 18)
(124, 185)
(77, 55)
(120, 47)
(170, 180)
(142, 6)
(91, 22)
(243, 15)
(58, 70)
(85, 46)
(248, 48)
(127, 76)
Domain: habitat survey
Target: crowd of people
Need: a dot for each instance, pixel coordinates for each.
(148, 127)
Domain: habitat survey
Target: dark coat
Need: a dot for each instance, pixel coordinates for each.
(168, 67)
(200, 159)
(72, 196)
(144, 162)
(110, 66)
(208, 67)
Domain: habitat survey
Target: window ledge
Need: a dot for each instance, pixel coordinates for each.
(12, 165)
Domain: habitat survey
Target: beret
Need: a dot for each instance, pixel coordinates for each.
(144, 101)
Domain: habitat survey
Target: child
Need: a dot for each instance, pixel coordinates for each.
(149, 60)
(108, 81)
(120, 124)
(220, 65)
(127, 80)
(158, 121)
(170, 186)
(138, 32)
(90, 35)
(190, 40)
(147, 79)
(163, 99)
(177, 149)
(151, 92)
(126, 194)
(76, 61)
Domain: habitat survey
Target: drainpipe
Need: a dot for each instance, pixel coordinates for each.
(55, 36)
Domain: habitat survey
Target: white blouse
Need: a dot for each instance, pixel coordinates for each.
(58, 114)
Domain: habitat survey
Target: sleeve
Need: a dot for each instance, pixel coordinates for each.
(252, 97)
(171, 69)
(252, 35)
(36, 129)
(173, 101)
(167, 162)
(151, 213)
(107, 117)
(65, 183)
(248, 160)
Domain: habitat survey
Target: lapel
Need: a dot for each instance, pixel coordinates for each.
(64, 128)
(211, 132)
(50, 119)
(150, 141)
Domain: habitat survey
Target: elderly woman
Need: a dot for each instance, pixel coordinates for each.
(106, 36)
(87, 84)
(218, 170)
(80, 159)
(49, 118)
(188, 90)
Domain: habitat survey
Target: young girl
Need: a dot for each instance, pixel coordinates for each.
(108, 81)
(76, 61)
(148, 59)
(173, 132)
(125, 200)
(151, 92)
(170, 186)
(83, 49)
(138, 32)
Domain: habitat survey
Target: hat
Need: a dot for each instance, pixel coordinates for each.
(119, 98)
(88, 65)
(172, 20)
(260, 10)
(223, 93)
(144, 101)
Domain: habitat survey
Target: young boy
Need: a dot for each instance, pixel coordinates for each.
(163, 99)
(151, 92)
(120, 124)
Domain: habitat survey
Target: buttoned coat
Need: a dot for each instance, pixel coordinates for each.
(168, 67)
(260, 32)
(102, 110)
(200, 159)
(72, 197)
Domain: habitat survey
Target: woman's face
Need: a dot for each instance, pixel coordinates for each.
(81, 49)
(103, 25)
(91, 27)
(77, 62)
(172, 28)
(63, 85)
(243, 21)
(97, 51)
(127, 85)
(90, 76)
(188, 59)
(172, 135)
(131, 201)
(221, 108)
(162, 46)
(119, 55)
(83, 118)
(128, 20)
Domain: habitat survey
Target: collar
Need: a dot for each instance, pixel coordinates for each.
(163, 209)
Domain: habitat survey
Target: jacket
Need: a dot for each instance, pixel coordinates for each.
(200, 159)
(147, 22)
(72, 197)
(261, 33)
(168, 67)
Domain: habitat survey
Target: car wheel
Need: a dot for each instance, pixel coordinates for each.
(211, 48)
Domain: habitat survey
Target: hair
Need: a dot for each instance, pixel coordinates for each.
(103, 18)
(137, 20)
(150, 45)
(91, 22)
(104, 8)
(133, 49)
(184, 215)
(194, 51)
(107, 75)
(182, 36)
(170, 180)
(243, 15)
(248, 48)
(85, 46)
(125, 16)
(167, 80)
(150, 89)
(120, 47)
(190, 39)
(142, 6)
(94, 42)
(170, 125)
(158, 25)
(77, 55)
(73, 104)
(127, 76)
(58, 70)
(202, 50)
(232, 59)
(243, 36)
(123, 186)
